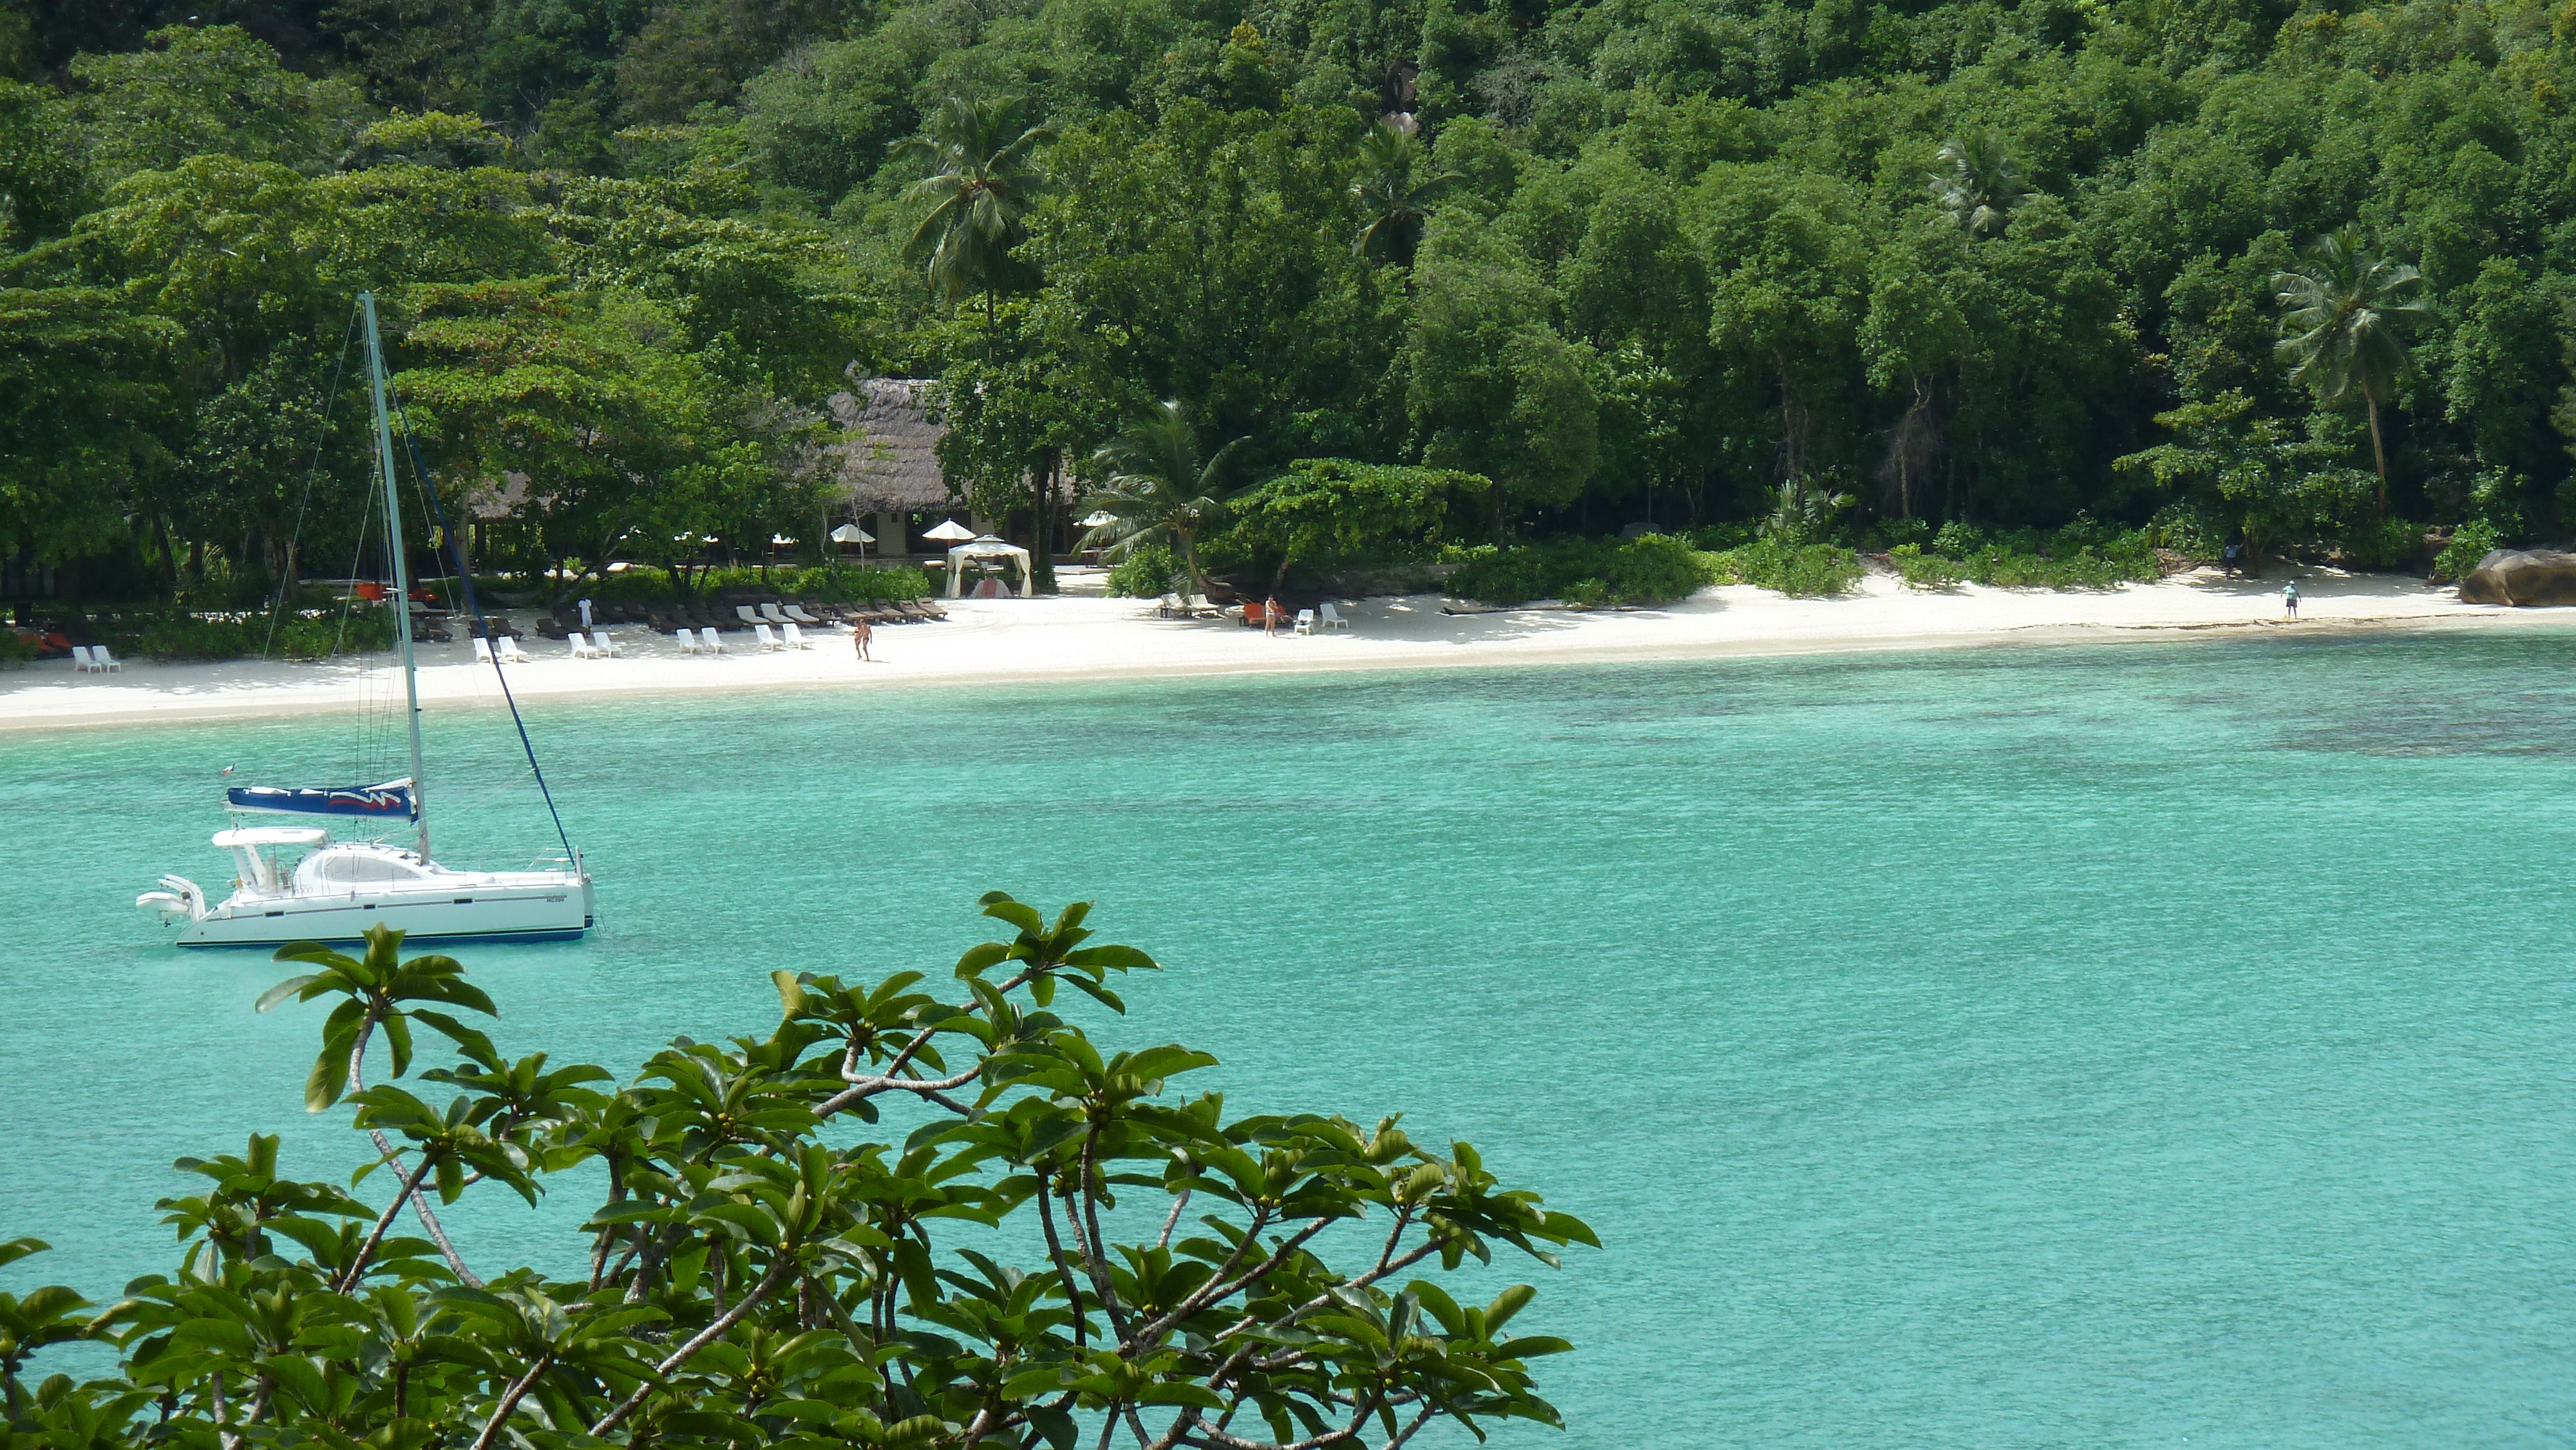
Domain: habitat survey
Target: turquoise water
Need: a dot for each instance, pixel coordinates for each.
(2133, 1045)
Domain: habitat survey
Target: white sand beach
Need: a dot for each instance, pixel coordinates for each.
(1081, 635)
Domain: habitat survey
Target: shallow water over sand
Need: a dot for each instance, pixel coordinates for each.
(2115, 1045)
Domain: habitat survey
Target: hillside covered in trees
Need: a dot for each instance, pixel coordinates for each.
(1693, 260)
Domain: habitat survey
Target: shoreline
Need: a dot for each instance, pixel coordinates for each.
(1086, 638)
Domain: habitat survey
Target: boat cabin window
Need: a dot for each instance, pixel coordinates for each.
(353, 868)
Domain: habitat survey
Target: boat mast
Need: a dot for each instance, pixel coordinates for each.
(402, 576)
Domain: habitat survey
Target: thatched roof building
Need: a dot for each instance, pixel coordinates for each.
(893, 467)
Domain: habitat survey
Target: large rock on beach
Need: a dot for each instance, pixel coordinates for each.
(2522, 576)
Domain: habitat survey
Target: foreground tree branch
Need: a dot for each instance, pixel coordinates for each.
(679, 1329)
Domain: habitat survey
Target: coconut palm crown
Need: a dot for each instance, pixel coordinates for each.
(1157, 489)
(973, 206)
(1976, 184)
(1394, 200)
(2344, 313)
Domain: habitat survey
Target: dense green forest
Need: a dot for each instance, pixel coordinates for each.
(1842, 265)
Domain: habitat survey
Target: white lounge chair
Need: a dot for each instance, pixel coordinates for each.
(688, 639)
(507, 647)
(482, 650)
(770, 613)
(801, 617)
(101, 661)
(1331, 618)
(581, 649)
(795, 637)
(600, 641)
(1305, 621)
(1200, 607)
(767, 640)
(713, 645)
(1167, 606)
(81, 663)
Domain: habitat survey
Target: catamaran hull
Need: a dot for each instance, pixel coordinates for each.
(557, 913)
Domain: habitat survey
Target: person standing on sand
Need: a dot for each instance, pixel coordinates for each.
(585, 616)
(1270, 617)
(2290, 600)
(859, 635)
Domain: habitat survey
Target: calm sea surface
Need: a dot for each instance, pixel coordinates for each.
(2127, 1045)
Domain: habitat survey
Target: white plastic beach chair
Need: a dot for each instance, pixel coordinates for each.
(713, 645)
(80, 659)
(770, 613)
(795, 637)
(767, 640)
(580, 647)
(1167, 606)
(482, 650)
(1199, 606)
(797, 613)
(602, 645)
(101, 661)
(1331, 618)
(688, 639)
(507, 647)
(1305, 621)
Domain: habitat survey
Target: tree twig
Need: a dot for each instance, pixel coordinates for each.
(778, 1266)
(510, 1400)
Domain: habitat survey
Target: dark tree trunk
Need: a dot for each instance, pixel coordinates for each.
(1042, 530)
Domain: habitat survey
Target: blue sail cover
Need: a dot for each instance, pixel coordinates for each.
(382, 802)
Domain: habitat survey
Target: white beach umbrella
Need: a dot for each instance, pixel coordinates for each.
(852, 534)
(1100, 519)
(950, 532)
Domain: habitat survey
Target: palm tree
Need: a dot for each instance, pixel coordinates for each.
(2343, 313)
(1158, 491)
(1393, 198)
(974, 204)
(1977, 184)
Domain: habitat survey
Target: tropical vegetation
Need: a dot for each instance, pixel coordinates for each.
(910, 1215)
(2299, 269)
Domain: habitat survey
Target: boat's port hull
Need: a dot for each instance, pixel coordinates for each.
(558, 913)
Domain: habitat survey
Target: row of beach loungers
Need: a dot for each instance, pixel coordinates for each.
(774, 624)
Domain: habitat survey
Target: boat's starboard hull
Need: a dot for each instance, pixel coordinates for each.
(550, 912)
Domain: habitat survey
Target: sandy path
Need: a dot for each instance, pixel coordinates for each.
(1079, 637)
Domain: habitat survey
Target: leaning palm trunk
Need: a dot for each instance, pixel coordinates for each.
(2343, 313)
(1158, 492)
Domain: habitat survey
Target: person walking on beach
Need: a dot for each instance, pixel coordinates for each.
(585, 616)
(2290, 600)
(859, 635)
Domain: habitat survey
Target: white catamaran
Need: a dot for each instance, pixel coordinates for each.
(294, 883)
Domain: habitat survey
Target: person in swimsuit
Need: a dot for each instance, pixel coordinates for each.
(860, 636)
(2290, 600)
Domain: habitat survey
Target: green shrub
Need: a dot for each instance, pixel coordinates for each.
(14, 652)
(2191, 529)
(1925, 571)
(2082, 555)
(2384, 544)
(1648, 569)
(2470, 542)
(862, 586)
(1148, 572)
(187, 637)
(1958, 539)
(321, 636)
(1802, 571)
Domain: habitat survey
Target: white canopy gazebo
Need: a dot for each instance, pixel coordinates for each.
(987, 547)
